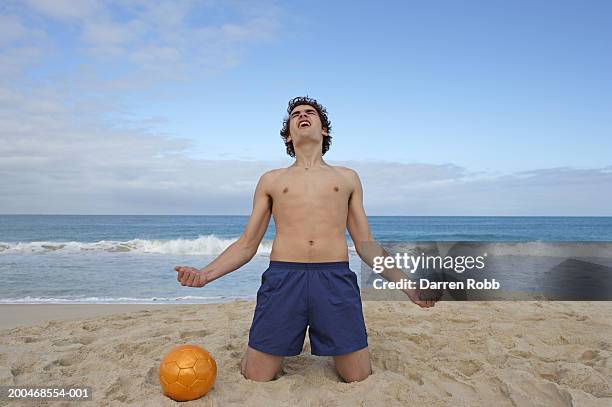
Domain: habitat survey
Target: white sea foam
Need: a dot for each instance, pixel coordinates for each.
(187, 299)
(213, 245)
(203, 245)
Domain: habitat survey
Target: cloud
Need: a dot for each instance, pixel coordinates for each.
(58, 162)
(61, 159)
(137, 46)
(447, 189)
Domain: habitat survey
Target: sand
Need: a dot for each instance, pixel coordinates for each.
(456, 354)
(14, 315)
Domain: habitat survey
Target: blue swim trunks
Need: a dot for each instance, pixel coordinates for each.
(321, 296)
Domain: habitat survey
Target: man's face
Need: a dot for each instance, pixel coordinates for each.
(304, 122)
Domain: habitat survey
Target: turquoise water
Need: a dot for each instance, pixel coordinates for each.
(130, 259)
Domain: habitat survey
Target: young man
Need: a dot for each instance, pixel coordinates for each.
(309, 283)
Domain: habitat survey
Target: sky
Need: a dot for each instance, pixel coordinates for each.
(491, 108)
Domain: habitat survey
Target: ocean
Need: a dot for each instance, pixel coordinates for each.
(131, 258)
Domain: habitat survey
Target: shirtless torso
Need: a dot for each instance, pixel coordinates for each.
(310, 209)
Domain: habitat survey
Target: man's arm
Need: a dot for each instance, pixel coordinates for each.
(367, 248)
(241, 251)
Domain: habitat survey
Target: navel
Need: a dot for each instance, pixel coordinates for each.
(311, 242)
(336, 189)
(285, 190)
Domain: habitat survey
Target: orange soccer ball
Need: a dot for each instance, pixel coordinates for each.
(187, 372)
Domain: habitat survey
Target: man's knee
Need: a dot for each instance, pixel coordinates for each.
(355, 375)
(258, 375)
(260, 372)
(355, 366)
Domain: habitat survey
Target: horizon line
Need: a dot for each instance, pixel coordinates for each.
(247, 215)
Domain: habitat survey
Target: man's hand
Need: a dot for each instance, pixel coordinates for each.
(191, 276)
(415, 297)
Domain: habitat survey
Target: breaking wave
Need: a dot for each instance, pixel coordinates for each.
(203, 245)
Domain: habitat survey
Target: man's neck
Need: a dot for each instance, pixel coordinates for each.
(308, 157)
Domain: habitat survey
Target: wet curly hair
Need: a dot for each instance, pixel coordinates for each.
(326, 124)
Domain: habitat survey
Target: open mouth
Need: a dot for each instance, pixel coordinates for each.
(303, 124)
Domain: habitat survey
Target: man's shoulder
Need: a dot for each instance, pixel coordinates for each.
(346, 171)
(275, 172)
(272, 174)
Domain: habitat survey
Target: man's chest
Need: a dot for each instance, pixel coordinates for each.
(311, 188)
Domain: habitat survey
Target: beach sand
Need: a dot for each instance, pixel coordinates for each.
(455, 354)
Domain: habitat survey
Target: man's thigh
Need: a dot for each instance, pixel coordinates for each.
(260, 366)
(354, 366)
